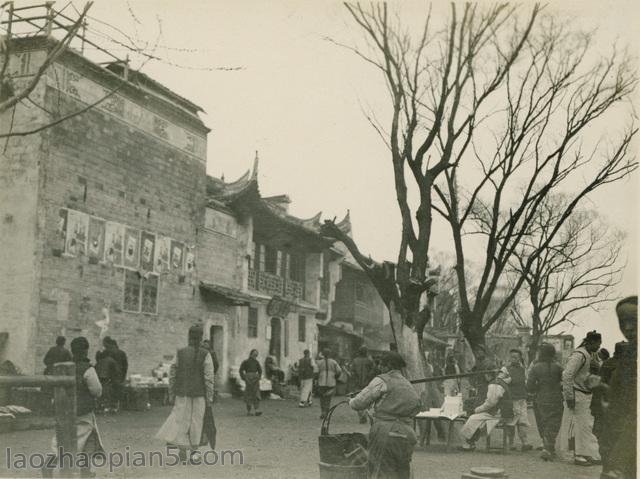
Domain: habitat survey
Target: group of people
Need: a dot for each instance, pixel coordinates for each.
(588, 408)
(593, 400)
(111, 367)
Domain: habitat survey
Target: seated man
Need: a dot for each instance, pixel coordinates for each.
(498, 405)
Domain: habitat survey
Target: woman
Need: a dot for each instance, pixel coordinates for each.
(88, 389)
(328, 372)
(395, 402)
(251, 372)
(191, 383)
(545, 383)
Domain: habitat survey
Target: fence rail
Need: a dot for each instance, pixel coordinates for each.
(63, 382)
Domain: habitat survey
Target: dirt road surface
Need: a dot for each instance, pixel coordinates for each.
(282, 443)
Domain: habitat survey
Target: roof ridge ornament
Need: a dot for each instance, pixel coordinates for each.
(254, 173)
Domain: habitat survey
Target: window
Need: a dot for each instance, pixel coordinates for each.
(286, 338)
(359, 292)
(140, 294)
(131, 291)
(252, 324)
(150, 294)
(296, 268)
(271, 260)
(302, 329)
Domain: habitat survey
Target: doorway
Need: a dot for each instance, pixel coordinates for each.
(216, 339)
(275, 344)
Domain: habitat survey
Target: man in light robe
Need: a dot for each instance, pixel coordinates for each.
(577, 420)
(496, 406)
(191, 382)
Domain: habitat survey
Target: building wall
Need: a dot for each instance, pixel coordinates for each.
(240, 344)
(20, 163)
(220, 250)
(368, 310)
(116, 169)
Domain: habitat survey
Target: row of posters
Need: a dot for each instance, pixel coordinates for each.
(81, 234)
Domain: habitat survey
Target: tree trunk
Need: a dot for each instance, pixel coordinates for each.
(409, 348)
(536, 334)
(534, 346)
(474, 334)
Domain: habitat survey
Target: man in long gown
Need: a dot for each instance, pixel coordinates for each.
(191, 382)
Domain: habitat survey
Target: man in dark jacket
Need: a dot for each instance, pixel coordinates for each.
(363, 370)
(519, 395)
(56, 354)
(619, 433)
(120, 357)
(108, 372)
(545, 383)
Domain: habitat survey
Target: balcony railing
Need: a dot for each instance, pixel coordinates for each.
(293, 289)
(272, 284)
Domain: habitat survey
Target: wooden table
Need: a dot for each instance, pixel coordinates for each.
(425, 437)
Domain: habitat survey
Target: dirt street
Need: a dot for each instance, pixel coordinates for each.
(280, 444)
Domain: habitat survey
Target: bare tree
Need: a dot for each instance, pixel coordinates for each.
(539, 142)
(437, 79)
(577, 270)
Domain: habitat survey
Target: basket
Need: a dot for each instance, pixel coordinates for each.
(343, 449)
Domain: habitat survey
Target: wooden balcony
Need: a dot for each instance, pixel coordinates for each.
(273, 285)
(293, 290)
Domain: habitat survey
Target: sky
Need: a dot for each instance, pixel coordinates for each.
(298, 101)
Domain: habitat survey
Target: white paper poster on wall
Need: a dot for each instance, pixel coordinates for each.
(113, 243)
(163, 248)
(77, 233)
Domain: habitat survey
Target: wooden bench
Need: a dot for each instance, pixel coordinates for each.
(507, 430)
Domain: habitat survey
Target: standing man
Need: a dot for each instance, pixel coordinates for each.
(395, 403)
(577, 382)
(305, 373)
(545, 383)
(328, 372)
(191, 384)
(120, 357)
(518, 388)
(56, 354)
(620, 419)
(451, 386)
(107, 370)
(88, 389)
(251, 372)
(363, 370)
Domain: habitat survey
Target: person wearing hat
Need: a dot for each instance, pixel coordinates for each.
(497, 406)
(577, 384)
(191, 383)
(395, 403)
(619, 434)
(56, 354)
(88, 389)
(545, 383)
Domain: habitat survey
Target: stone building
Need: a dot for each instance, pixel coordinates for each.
(100, 213)
(111, 226)
(267, 277)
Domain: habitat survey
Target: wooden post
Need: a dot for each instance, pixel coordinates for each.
(65, 405)
(49, 24)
